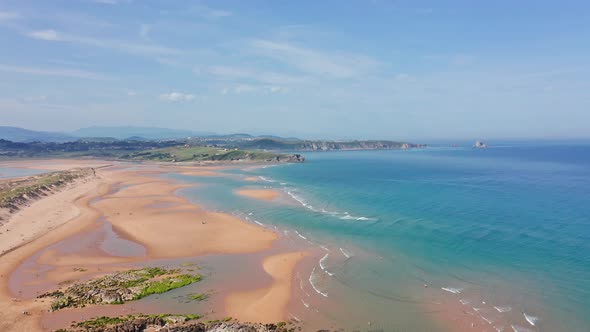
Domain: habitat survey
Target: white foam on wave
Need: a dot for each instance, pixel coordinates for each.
(283, 183)
(251, 213)
(305, 304)
(464, 302)
(301, 201)
(345, 253)
(489, 321)
(258, 222)
(517, 328)
(347, 216)
(452, 290)
(294, 317)
(339, 215)
(503, 308)
(311, 282)
(265, 179)
(301, 236)
(322, 260)
(531, 319)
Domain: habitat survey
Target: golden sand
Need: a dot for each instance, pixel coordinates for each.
(269, 304)
(261, 194)
(178, 230)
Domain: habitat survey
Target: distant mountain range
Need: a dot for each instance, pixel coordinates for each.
(129, 133)
(16, 134)
(134, 138)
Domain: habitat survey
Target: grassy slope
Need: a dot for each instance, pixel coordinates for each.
(13, 191)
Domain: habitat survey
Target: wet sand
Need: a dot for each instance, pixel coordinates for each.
(268, 304)
(261, 194)
(251, 178)
(140, 208)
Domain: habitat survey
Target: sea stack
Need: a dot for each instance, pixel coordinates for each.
(479, 145)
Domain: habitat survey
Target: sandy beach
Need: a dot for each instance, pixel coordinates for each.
(144, 211)
(261, 194)
(267, 305)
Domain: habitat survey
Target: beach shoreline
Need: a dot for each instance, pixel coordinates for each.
(122, 196)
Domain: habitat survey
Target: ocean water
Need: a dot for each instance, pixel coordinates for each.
(501, 233)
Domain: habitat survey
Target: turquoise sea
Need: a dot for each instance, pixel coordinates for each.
(499, 236)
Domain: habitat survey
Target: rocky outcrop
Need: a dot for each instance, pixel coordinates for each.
(293, 158)
(120, 287)
(172, 323)
(319, 145)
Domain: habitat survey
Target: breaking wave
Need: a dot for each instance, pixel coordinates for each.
(322, 260)
(531, 319)
(301, 236)
(345, 253)
(517, 328)
(312, 279)
(502, 309)
(452, 290)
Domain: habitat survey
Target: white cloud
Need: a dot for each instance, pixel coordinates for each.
(248, 88)
(211, 13)
(7, 16)
(338, 65)
(44, 35)
(176, 97)
(276, 89)
(131, 93)
(123, 46)
(63, 72)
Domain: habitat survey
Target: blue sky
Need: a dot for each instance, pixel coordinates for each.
(334, 69)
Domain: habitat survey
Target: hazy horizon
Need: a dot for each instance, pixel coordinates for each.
(376, 70)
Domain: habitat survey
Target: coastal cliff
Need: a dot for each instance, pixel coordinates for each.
(306, 145)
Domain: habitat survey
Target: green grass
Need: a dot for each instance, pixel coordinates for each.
(103, 321)
(36, 184)
(199, 153)
(168, 284)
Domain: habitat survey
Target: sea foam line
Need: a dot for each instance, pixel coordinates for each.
(322, 260)
(340, 215)
(301, 236)
(305, 304)
(265, 179)
(517, 328)
(531, 319)
(347, 255)
(503, 309)
(301, 201)
(452, 290)
(314, 286)
(258, 222)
